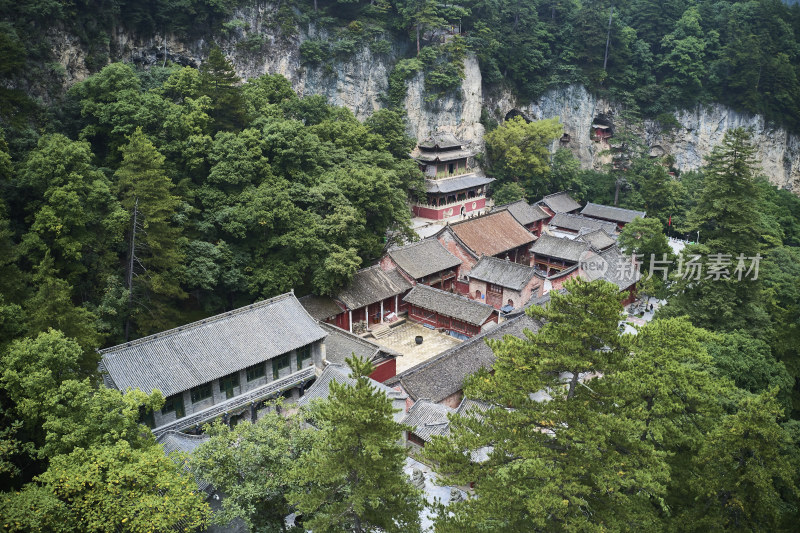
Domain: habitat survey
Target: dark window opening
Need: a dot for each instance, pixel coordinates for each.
(201, 392)
(303, 355)
(279, 363)
(174, 403)
(256, 371)
(147, 418)
(228, 383)
(415, 439)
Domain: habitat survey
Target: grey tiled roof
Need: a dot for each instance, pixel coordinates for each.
(443, 155)
(371, 285)
(619, 271)
(526, 213)
(443, 375)
(458, 183)
(598, 239)
(607, 212)
(179, 359)
(341, 374)
(560, 202)
(428, 419)
(423, 258)
(449, 304)
(578, 222)
(559, 248)
(501, 272)
(341, 344)
(320, 307)
(175, 441)
(441, 140)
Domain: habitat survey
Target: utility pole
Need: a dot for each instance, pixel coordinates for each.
(130, 268)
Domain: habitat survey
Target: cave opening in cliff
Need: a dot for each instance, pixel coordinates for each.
(517, 113)
(602, 127)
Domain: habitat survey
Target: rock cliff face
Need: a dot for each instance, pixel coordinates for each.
(698, 132)
(257, 46)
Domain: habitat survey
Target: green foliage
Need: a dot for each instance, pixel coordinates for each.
(219, 82)
(250, 464)
(33, 368)
(157, 258)
(391, 125)
(351, 477)
(404, 70)
(749, 363)
(79, 415)
(314, 51)
(507, 193)
(727, 216)
(741, 474)
(51, 305)
(645, 236)
(118, 488)
(74, 217)
(550, 463)
(518, 151)
(781, 270)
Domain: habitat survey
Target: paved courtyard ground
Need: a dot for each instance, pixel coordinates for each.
(402, 340)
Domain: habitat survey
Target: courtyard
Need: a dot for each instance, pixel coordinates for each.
(402, 339)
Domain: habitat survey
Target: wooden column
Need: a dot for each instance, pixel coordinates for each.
(350, 319)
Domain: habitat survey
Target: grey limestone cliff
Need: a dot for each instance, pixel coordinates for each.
(360, 81)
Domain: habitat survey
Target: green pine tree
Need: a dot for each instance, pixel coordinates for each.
(566, 464)
(728, 218)
(156, 257)
(351, 479)
(219, 82)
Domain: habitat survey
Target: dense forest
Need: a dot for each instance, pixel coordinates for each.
(144, 198)
(652, 56)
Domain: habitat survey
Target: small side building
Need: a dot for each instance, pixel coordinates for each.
(445, 310)
(531, 217)
(568, 225)
(222, 366)
(426, 262)
(341, 344)
(615, 215)
(341, 374)
(500, 283)
(559, 202)
(370, 295)
(555, 254)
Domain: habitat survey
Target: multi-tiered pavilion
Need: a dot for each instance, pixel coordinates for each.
(453, 184)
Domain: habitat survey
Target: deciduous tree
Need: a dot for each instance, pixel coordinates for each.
(250, 464)
(519, 151)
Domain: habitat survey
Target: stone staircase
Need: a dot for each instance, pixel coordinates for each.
(381, 330)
